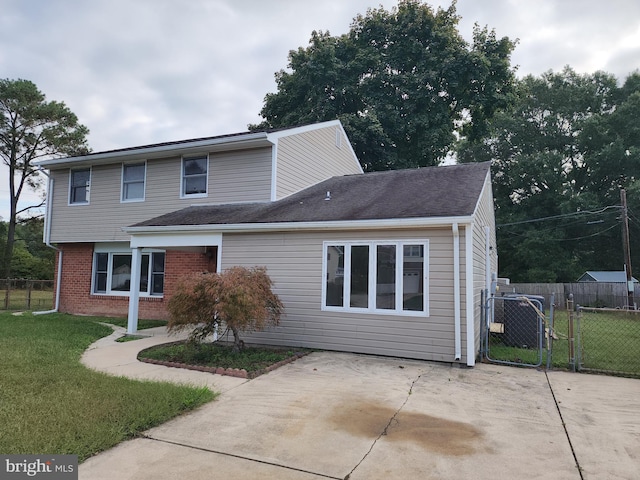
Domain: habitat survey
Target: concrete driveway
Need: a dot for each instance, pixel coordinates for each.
(335, 415)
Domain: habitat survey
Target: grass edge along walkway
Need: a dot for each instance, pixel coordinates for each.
(51, 403)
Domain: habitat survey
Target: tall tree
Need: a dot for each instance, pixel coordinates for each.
(32, 128)
(403, 83)
(562, 150)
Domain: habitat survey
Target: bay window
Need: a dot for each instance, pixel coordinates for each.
(376, 277)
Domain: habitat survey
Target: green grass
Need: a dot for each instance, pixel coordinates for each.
(40, 299)
(142, 324)
(610, 343)
(51, 403)
(219, 355)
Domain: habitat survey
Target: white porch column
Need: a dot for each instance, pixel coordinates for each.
(134, 290)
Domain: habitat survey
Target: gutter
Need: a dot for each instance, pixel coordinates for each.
(316, 225)
(47, 242)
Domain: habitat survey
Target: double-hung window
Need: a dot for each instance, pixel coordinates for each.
(133, 178)
(194, 176)
(112, 273)
(376, 277)
(79, 183)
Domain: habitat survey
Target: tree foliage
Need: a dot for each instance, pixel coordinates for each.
(30, 129)
(239, 298)
(403, 83)
(564, 148)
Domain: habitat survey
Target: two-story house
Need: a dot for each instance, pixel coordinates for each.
(387, 263)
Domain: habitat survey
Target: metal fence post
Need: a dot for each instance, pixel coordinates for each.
(572, 359)
(550, 330)
(29, 288)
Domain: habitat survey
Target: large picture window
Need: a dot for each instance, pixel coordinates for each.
(376, 277)
(112, 273)
(194, 175)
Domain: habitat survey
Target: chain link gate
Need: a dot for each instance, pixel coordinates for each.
(515, 330)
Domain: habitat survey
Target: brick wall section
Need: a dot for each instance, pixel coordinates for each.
(75, 290)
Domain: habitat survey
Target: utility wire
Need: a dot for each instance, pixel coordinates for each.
(564, 215)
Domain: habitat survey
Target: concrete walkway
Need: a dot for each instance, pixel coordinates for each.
(338, 415)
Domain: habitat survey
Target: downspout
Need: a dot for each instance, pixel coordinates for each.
(487, 258)
(471, 337)
(47, 242)
(456, 291)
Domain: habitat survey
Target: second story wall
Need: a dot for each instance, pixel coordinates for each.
(310, 157)
(235, 176)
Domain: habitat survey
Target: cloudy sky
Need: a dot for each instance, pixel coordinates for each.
(144, 71)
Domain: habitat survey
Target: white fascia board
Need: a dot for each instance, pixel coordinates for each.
(234, 142)
(293, 226)
(485, 185)
(273, 136)
(176, 239)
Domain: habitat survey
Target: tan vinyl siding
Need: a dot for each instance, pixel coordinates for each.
(294, 262)
(307, 158)
(484, 216)
(237, 176)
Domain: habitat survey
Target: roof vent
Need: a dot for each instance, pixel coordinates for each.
(328, 197)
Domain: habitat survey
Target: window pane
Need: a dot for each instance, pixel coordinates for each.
(413, 275)
(133, 173)
(100, 285)
(386, 277)
(195, 166)
(144, 274)
(133, 191)
(194, 185)
(158, 262)
(157, 284)
(157, 277)
(102, 260)
(121, 273)
(100, 280)
(335, 276)
(360, 276)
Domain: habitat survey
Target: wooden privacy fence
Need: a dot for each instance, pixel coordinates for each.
(21, 293)
(588, 294)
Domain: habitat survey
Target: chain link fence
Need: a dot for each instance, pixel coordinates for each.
(515, 330)
(608, 341)
(25, 294)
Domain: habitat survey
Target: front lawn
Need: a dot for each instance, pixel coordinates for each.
(51, 403)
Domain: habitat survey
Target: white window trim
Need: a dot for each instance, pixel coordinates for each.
(144, 186)
(74, 204)
(371, 309)
(121, 251)
(194, 195)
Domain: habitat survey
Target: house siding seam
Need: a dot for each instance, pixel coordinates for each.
(76, 296)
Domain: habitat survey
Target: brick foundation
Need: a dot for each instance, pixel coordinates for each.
(75, 290)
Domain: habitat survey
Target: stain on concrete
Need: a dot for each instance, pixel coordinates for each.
(438, 435)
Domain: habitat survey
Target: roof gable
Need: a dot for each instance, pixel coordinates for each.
(604, 276)
(449, 191)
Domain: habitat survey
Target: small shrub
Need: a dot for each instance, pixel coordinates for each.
(239, 298)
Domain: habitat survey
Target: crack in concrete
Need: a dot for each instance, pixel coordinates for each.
(386, 429)
(564, 426)
(227, 454)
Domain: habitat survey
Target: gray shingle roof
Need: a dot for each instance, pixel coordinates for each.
(448, 191)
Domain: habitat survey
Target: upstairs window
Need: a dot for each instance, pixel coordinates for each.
(194, 176)
(389, 277)
(133, 178)
(79, 183)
